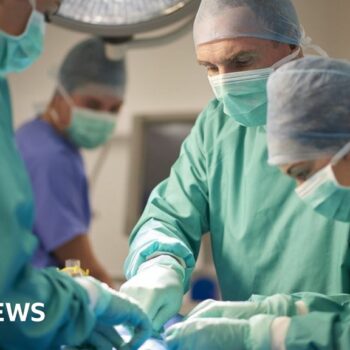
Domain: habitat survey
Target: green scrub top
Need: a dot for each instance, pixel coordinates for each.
(66, 305)
(264, 239)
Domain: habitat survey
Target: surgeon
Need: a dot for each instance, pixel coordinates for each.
(82, 114)
(309, 139)
(309, 132)
(77, 311)
(308, 129)
(222, 182)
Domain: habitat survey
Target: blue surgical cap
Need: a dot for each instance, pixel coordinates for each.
(265, 19)
(87, 64)
(308, 110)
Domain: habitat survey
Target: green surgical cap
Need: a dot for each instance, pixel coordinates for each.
(87, 64)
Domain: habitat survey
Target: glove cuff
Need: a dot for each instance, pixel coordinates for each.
(323, 303)
(280, 305)
(260, 337)
(166, 261)
(98, 297)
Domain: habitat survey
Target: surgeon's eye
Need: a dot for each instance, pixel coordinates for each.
(243, 61)
(116, 108)
(300, 174)
(93, 104)
(212, 70)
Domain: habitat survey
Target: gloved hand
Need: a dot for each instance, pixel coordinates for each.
(102, 337)
(279, 305)
(158, 288)
(112, 308)
(220, 334)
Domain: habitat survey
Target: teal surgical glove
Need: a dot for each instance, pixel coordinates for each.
(221, 334)
(158, 289)
(279, 305)
(112, 308)
(103, 337)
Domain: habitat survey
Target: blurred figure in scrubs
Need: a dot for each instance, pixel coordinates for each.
(222, 184)
(308, 129)
(81, 114)
(77, 311)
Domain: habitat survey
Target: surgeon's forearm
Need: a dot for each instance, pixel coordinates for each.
(324, 321)
(14, 15)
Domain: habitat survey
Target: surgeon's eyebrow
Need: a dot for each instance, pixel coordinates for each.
(241, 55)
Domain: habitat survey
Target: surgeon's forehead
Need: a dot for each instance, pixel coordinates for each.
(219, 51)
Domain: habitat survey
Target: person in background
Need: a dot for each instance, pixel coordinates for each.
(81, 114)
(222, 184)
(308, 133)
(76, 311)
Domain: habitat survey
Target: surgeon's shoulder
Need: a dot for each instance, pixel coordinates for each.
(57, 163)
(33, 135)
(63, 162)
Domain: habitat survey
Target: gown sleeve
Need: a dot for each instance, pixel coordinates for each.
(177, 213)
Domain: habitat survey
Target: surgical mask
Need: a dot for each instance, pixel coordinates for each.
(243, 94)
(88, 128)
(21, 51)
(324, 194)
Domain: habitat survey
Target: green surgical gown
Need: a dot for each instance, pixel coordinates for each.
(67, 316)
(264, 239)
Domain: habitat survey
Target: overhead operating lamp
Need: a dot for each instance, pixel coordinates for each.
(126, 19)
(126, 24)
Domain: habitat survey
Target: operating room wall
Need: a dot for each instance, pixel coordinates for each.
(162, 79)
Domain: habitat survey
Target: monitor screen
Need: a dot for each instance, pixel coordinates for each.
(156, 144)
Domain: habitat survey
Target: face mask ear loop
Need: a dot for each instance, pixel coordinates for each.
(55, 117)
(33, 3)
(306, 43)
(64, 94)
(286, 59)
(341, 154)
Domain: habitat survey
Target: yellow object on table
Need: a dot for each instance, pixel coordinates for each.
(73, 268)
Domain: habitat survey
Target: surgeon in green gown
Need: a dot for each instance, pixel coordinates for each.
(308, 134)
(263, 240)
(80, 311)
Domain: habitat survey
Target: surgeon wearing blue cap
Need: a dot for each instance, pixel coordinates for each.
(76, 311)
(82, 114)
